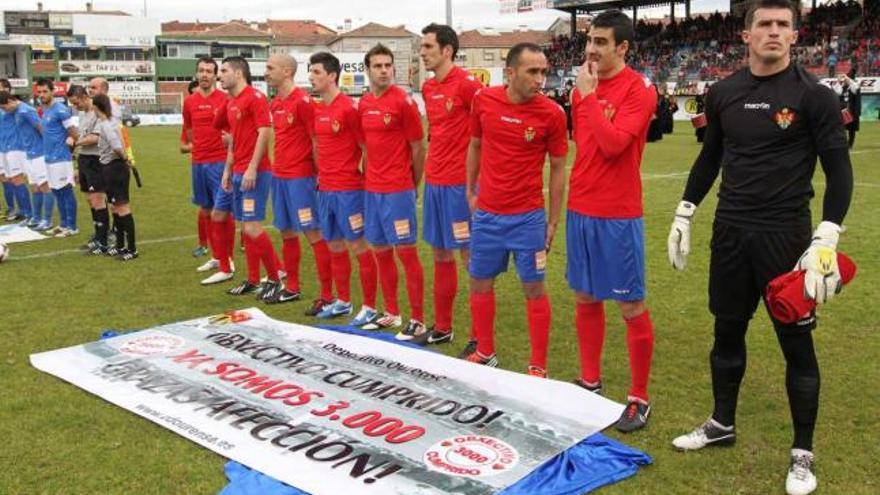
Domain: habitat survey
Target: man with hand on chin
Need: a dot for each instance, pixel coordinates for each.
(611, 109)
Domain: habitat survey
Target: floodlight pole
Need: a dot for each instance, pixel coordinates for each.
(449, 12)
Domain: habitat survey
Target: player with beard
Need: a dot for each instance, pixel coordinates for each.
(208, 161)
(59, 135)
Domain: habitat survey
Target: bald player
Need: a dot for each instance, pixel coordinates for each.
(294, 200)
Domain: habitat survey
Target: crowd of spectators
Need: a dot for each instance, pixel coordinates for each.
(835, 37)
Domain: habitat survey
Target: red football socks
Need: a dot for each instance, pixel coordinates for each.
(388, 279)
(204, 221)
(368, 268)
(219, 245)
(483, 320)
(252, 254)
(445, 288)
(538, 312)
(323, 266)
(640, 344)
(342, 274)
(590, 323)
(229, 231)
(415, 280)
(291, 252)
(267, 255)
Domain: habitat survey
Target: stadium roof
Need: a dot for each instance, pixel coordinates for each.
(477, 38)
(293, 31)
(232, 29)
(587, 6)
(376, 30)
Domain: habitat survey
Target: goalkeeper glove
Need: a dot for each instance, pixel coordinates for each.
(679, 242)
(822, 277)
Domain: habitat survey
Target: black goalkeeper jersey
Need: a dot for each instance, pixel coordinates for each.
(765, 133)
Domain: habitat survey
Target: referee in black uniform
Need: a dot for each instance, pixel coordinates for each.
(767, 123)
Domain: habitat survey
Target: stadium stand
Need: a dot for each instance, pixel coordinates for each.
(833, 38)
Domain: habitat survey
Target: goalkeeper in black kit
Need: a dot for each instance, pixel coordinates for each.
(767, 124)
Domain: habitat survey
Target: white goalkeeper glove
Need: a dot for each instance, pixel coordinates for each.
(679, 242)
(822, 278)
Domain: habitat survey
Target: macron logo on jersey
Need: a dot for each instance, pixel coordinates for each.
(757, 106)
(510, 120)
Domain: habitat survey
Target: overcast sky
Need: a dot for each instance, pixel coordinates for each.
(414, 14)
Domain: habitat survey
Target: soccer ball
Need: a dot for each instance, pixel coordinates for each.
(4, 252)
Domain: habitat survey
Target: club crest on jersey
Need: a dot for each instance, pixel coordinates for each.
(609, 110)
(236, 112)
(449, 104)
(335, 126)
(289, 119)
(784, 118)
(386, 118)
(530, 134)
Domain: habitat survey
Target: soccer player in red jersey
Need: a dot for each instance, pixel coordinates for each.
(247, 176)
(447, 218)
(612, 109)
(338, 152)
(513, 128)
(395, 160)
(294, 205)
(200, 109)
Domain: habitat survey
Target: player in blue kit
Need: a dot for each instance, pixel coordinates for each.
(26, 156)
(6, 135)
(59, 134)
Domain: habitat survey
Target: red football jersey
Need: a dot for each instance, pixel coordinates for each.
(448, 105)
(611, 129)
(292, 121)
(389, 122)
(199, 113)
(515, 139)
(337, 130)
(245, 114)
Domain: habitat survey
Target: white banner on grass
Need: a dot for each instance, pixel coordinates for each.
(19, 233)
(332, 413)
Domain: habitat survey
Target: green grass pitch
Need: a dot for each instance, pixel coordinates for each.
(57, 439)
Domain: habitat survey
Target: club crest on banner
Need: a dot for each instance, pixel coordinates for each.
(784, 118)
(472, 456)
(151, 345)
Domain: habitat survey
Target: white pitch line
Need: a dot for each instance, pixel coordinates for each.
(53, 254)
(859, 152)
